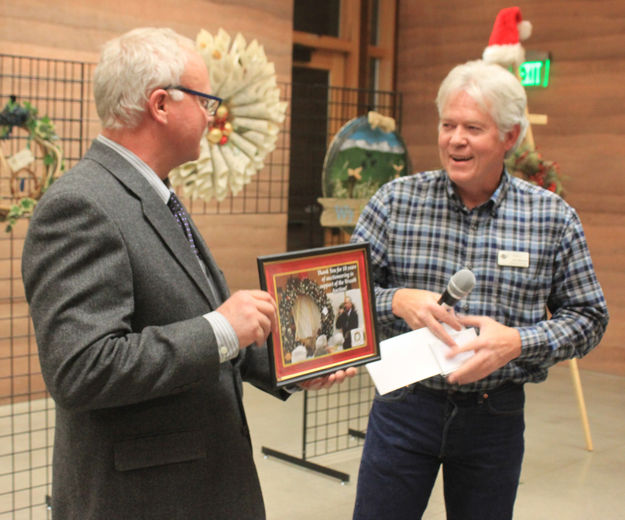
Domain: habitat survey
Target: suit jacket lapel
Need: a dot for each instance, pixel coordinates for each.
(213, 269)
(158, 215)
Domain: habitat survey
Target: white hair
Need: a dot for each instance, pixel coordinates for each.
(131, 67)
(494, 89)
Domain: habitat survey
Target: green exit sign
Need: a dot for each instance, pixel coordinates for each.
(535, 71)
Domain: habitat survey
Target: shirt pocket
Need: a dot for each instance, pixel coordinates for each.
(522, 294)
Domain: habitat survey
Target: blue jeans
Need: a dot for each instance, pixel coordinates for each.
(477, 437)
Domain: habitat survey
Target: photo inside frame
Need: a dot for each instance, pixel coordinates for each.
(325, 311)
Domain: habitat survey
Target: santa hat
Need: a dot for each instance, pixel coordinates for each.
(504, 45)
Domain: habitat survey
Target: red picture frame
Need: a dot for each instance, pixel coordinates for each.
(326, 311)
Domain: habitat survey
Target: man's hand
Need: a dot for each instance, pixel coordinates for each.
(495, 346)
(252, 315)
(337, 377)
(421, 309)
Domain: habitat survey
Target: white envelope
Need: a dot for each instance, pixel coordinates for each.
(414, 356)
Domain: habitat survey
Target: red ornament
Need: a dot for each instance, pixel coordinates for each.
(221, 123)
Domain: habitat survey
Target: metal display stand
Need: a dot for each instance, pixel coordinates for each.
(333, 420)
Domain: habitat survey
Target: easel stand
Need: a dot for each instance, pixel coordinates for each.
(577, 383)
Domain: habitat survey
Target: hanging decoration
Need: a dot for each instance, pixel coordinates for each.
(505, 49)
(246, 126)
(30, 171)
(366, 152)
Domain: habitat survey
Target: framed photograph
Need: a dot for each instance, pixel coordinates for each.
(326, 311)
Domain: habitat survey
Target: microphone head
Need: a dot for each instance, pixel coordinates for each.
(461, 284)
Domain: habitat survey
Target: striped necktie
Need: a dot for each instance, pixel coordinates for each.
(182, 218)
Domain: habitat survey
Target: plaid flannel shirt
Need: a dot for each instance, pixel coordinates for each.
(421, 234)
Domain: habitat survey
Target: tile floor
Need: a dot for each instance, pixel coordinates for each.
(560, 478)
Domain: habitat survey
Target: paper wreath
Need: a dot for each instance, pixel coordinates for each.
(246, 126)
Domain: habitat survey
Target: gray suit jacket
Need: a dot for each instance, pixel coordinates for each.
(149, 423)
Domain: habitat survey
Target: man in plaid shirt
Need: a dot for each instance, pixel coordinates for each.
(536, 302)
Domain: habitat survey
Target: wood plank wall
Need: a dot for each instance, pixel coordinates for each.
(75, 29)
(81, 26)
(584, 103)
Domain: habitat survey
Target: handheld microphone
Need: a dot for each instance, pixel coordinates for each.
(460, 284)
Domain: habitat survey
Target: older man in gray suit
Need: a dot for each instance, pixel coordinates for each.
(141, 345)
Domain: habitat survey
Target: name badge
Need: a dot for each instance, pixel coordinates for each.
(513, 259)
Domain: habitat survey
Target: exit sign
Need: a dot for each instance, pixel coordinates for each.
(535, 71)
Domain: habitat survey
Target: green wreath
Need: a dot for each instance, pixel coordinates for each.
(41, 132)
(302, 287)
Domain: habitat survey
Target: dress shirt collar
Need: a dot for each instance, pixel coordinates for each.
(148, 173)
(493, 202)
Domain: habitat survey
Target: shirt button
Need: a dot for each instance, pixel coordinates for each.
(223, 350)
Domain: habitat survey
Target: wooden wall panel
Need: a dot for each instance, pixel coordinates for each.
(236, 241)
(75, 29)
(68, 26)
(584, 103)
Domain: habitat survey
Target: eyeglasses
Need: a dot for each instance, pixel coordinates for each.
(208, 102)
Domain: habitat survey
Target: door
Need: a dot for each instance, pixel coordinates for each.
(309, 126)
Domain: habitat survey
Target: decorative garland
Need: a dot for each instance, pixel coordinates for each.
(528, 163)
(302, 287)
(17, 167)
(246, 126)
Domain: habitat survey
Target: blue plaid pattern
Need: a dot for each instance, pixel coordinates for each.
(421, 234)
(182, 218)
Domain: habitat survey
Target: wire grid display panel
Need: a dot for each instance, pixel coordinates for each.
(345, 104)
(330, 416)
(62, 91)
(57, 89)
(26, 412)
